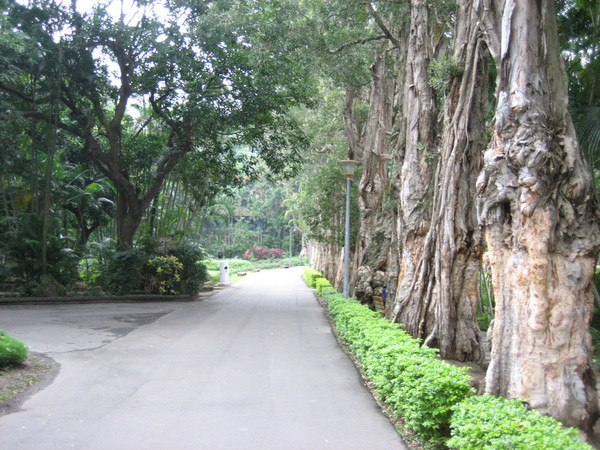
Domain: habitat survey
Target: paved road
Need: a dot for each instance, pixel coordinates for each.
(254, 366)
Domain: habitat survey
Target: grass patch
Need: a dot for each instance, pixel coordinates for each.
(246, 265)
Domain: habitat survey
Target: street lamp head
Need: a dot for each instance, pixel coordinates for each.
(348, 166)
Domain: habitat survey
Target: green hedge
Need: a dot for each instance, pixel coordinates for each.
(433, 397)
(310, 276)
(496, 423)
(321, 283)
(409, 378)
(12, 351)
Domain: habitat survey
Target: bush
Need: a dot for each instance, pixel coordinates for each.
(126, 271)
(12, 351)
(236, 265)
(432, 397)
(408, 377)
(267, 253)
(496, 423)
(194, 273)
(321, 283)
(21, 246)
(165, 275)
(310, 276)
(138, 270)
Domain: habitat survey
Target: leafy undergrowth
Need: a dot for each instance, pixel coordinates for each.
(432, 397)
(12, 351)
(244, 265)
(500, 424)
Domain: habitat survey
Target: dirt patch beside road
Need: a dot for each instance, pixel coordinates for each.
(17, 383)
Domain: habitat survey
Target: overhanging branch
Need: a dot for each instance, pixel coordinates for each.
(383, 25)
(357, 42)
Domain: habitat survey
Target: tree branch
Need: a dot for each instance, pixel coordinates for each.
(24, 96)
(383, 25)
(358, 42)
(48, 119)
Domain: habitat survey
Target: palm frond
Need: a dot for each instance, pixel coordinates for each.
(587, 126)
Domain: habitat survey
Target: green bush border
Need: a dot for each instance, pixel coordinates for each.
(492, 422)
(310, 277)
(433, 398)
(12, 351)
(322, 283)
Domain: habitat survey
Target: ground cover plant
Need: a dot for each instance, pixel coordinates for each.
(434, 398)
(237, 265)
(310, 277)
(497, 423)
(247, 265)
(12, 351)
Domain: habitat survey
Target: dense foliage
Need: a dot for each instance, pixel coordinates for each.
(12, 351)
(118, 130)
(408, 377)
(497, 423)
(254, 222)
(175, 271)
(431, 396)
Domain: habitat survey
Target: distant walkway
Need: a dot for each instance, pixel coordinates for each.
(254, 366)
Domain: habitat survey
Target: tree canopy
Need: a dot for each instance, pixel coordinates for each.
(144, 95)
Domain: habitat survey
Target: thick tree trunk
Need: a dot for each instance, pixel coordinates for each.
(326, 258)
(446, 283)
(539, 211)
(131, 202)
(416, 194)
(395, 181)
(130, 211)
(353, 126)
(373, 241)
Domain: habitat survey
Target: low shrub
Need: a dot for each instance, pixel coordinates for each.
(432, 397)
(12, 351)
(244, 265)
(310, 276)
(125, 271)
(409, 378)
(177, 270)
(194, 274)
(165, 275)
(321, 283)
(267, 253)
(497, 423)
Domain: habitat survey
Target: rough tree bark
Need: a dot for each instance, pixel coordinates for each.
(353, 126)
(374, 235)
(327, 259)
(539, 212)
(416, 194)
(446, 280)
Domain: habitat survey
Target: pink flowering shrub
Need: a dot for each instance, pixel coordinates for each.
(266, 253)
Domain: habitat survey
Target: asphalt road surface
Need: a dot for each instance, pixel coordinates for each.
(254, 366)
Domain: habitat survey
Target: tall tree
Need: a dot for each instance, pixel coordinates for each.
(374, 234)
(540, 217)
(441, 304)
(213, 92)
(416, 189)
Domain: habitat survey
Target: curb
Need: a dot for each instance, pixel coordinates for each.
(104, 299)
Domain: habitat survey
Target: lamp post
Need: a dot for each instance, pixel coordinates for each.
(291, 239)
(348, 166)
